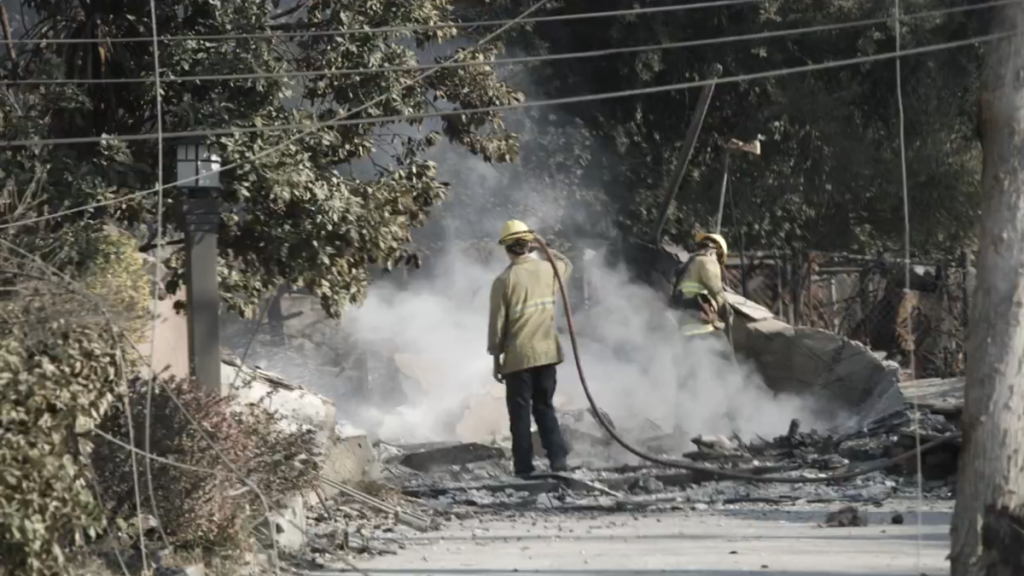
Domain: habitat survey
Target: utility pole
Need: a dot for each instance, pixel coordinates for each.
(989, 515)
(676, 180)
(196, 170)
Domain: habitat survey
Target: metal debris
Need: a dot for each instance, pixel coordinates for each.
(451, 455)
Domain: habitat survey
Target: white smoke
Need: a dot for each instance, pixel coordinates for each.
(638, 366)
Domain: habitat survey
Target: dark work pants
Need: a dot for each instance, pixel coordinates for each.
(526, 391)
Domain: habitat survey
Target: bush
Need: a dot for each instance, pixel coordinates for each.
(60, 364)
(117, 271)
(199, 509)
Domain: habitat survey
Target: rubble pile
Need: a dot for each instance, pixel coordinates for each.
(423, 486)
(451, 478)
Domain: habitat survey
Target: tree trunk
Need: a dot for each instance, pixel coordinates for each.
(988, 523)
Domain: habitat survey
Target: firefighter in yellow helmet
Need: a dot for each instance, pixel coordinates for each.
(523, 340)
(699, 290)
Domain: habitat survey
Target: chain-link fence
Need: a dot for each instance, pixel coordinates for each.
(863, 298)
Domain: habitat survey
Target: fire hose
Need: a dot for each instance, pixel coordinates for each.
(715, 473)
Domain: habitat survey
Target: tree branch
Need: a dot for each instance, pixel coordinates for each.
(6, 22)
(150, 245)
(289, 11)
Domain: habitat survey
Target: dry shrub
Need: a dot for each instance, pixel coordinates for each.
(203, 509)
(60, 367)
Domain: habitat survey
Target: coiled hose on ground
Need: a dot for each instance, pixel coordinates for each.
(715, 473)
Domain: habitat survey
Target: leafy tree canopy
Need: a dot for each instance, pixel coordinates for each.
(829, 174)
(291, 215)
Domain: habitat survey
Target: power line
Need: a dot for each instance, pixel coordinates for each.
(906, 271)
(537, 6)
(518, 59)
(397, 29)
(527, 104)
(158, 256)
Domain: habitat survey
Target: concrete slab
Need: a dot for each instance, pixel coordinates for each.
(294, 403)
(723, 543)
(348, 458)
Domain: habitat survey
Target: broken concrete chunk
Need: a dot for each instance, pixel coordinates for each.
(647, 485)
(455, 455)
(349, 458)
(286, 525)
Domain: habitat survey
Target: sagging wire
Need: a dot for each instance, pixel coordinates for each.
(521, 59)
(910, 301)
(522, 17)
(209, 441)
(101, 500)
(158, 262)
(342, 119)
(55, 273)
(401, 29)
(309, 128)
(278, 147)
(246, 481)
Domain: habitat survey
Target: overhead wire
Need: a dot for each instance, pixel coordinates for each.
(269, 151)
(308, 128)
(234, 469)
(421, 77)
(714, 472)
(343, 119)
(518, 59)
(158, 258)
(398, 29)
(907, 292)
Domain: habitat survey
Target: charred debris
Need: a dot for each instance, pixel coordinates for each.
(453, 479)
(424, 486)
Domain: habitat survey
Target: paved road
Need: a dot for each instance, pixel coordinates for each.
(714, 543)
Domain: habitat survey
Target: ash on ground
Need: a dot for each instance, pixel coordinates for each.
(458, 481)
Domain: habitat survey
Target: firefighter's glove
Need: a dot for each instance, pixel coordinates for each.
(498, 376)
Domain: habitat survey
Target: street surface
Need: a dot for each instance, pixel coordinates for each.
(727, 542)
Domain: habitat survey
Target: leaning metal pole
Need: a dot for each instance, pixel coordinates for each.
(724, 190)
(684, 158)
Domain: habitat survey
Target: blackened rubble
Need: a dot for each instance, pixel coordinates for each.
(488, 483)
(463, 481)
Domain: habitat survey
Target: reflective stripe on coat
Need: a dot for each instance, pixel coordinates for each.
(702, 276)
(522, 316)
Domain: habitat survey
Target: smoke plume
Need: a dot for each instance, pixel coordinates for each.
(434, 323)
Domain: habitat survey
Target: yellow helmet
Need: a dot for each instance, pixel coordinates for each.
(718, 239)
(514, 230)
